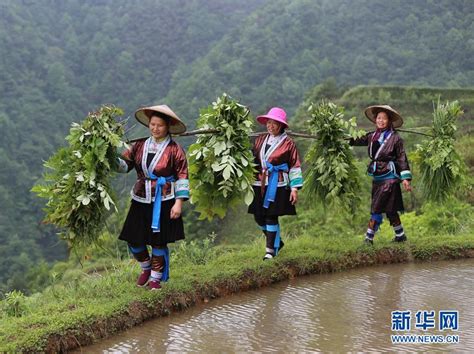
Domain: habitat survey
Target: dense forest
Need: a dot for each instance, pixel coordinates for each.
(61, 59)
(286, 47)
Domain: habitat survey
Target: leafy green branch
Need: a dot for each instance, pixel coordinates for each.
(221, 165)
(442, 169)
(331, 174)
(77, 184)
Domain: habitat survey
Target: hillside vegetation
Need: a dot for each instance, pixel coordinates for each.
(62, 59)
(285, 48)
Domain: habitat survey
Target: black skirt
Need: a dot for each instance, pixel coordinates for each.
(137, 227)
(281, 205)
(386, 197)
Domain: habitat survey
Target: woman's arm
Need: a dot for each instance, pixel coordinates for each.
(122, 165)
(176, 209)
(295, 174)
(125, 161)
(362, 141)
(404, 167)
(180, 166)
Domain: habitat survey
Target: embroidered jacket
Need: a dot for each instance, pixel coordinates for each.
(387, 158)
(282, 150)
(169, 160)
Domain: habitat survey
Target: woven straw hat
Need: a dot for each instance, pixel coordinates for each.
(144, 114)
(395, 117)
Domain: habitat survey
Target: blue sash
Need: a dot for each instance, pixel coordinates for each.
(391, 174)
(272, 182)
(160, 182)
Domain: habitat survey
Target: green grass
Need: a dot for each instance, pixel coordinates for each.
(76, 306)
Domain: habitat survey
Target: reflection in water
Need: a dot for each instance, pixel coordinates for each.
(349, 311)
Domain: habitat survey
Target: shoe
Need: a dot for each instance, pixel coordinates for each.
(369, 241)
(267, 256)
(399, 239)
(143, 278)
(154, 285)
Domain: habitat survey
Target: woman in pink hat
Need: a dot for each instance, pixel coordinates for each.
(278, 179)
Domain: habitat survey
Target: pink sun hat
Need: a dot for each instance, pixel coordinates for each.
(274, 113)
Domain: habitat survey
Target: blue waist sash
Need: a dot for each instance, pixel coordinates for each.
(391, 174)
(272, 182)
(160, 182)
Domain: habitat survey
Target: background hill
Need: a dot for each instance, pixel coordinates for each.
(61, 59)
(286, 47)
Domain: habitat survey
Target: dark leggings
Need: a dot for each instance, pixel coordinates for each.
(394, 219)
(264, 221)
(157, 262)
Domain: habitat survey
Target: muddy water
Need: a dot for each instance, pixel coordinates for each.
(348, 311)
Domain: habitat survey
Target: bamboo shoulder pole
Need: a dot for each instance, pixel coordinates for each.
(414, 132)
(290, 133)
(254, 134)
(189, 133)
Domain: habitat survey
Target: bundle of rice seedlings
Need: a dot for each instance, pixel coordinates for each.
(77, 182)
(221, 164)
(331, 175)
(442, 169)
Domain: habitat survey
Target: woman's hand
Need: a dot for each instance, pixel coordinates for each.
(176, 209)
(293, 196)
(407, 185)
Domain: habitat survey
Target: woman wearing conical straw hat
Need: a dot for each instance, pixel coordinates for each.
(162, 185)
(278, 179)
(388, 167)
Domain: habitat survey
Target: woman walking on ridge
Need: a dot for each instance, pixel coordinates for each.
(278, 179)
(162, 185)
(388, 167)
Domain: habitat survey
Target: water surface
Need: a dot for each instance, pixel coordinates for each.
(347, 311)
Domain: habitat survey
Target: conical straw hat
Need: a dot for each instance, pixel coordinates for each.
(144, 114)
(395, 117)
